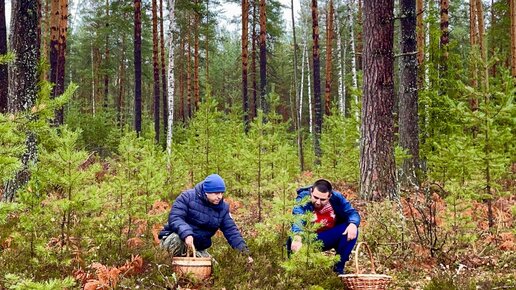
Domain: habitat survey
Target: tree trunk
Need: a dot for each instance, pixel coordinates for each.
(182, 114)
(121, 85)
(155, 66)
(4, 75)
(420, 42)
(445, 39)
(137, 66)
(207, 42)
(354, 74)
(342, 67)
(23, 80)
(188, 110)
(163, 68)
(377, 167)
(329, 42)
(360, 43)
(245, 40)
(170, 90)
(482, 44)
(298, 100)
(44, 33)
(309, 95)
(473, 41)
(254, 39)
(263, 57)
(512, 4)
(317, 83)
(197, 21)
(106, 60)
(59, 26)
(408, 98)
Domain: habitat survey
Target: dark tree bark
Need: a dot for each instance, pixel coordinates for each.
(155, 66)
(59, 27)
(197, 90)
(23, 79)
(106, 60)
(329, 42)
(408, 97)
(4, 75)
(163, 69)
(317, 83)
(445, 38)
(360, 43)
(263, 57)
(138, 66)
(512, 7)
(245, 42)
(182, 82)
(420, 43)
(377, 167)
(254, 39)
(188, 110)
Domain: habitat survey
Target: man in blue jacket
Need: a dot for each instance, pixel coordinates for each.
(195, 217)
(338, 220)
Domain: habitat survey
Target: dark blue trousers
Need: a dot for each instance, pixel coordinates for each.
(334, 239)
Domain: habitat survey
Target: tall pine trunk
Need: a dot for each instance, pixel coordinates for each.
(420, 31)
(512, 4)
(317, 82)
(408, 96)
(137, 66)
(4, 75)
(23, 80)
(263, 57)
(197, 22)
(329, 42)
(297, 116)
(245, 41)
(163, 68)
(444, 40)
(59, 26)
(377, 167)
(106, 60)
(254, 39)
(155, 66)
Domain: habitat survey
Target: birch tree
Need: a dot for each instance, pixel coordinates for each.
(170, 89)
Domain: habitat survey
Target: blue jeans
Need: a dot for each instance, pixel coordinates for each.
(334, 239)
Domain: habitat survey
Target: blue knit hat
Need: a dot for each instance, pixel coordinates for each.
(214, 183)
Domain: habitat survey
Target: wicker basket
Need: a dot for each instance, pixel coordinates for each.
(199, 267)
(365, 281)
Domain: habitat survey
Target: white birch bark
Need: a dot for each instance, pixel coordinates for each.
(92, 81)
(170, 79)
(342, 69)
(300, 112)
(310, 114)
(354, 77)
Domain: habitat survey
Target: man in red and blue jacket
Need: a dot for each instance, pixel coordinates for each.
(338, 220)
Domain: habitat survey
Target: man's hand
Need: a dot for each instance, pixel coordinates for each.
(296, 244)
(351, 231)
(189, 242)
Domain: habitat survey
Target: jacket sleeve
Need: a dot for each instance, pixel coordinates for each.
(177, 217)
(299, 210)
(232, 233)
(349, 211)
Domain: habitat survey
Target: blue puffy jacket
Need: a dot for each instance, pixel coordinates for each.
(192, 214)
(344, 212)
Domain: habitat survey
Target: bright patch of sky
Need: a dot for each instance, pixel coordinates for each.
(232, 15)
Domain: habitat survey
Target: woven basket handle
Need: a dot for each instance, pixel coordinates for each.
(370, 257)
(192, 250)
